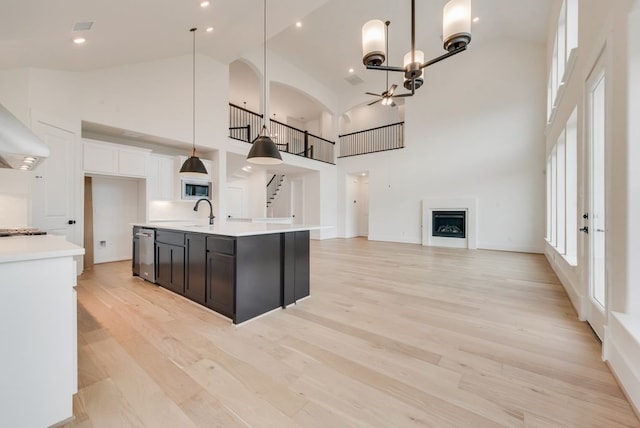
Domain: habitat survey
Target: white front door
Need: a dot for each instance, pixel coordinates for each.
(595, 195)
(53, 190)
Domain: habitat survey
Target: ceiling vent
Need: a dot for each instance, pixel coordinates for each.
(354, 79)
(83, 26)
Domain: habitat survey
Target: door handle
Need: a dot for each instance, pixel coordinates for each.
(71, 222)
(585, 216)
(584, 229)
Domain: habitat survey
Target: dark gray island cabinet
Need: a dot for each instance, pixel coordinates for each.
(239, 276)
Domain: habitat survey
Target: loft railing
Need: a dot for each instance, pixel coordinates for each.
(245, 125)
(380, 139)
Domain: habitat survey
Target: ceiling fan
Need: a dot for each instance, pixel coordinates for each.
(387, 96)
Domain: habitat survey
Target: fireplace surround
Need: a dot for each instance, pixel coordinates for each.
(467, 205)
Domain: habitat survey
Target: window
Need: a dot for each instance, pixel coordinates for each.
(554, 197)
(562, 192)
(560, 195)
(563, 56)
(571, 188)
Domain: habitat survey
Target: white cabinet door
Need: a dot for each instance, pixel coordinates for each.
(132, 162)
(162, 178)
(100, 158)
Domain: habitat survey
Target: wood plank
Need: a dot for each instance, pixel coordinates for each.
(392, 335)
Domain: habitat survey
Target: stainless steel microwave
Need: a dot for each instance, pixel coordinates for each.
(195, 189)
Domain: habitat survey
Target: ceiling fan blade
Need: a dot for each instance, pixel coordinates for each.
(373, 102)
(392, 89)
(371, 93)
(403, 95)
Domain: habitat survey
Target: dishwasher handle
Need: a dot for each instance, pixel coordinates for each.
(148, 235)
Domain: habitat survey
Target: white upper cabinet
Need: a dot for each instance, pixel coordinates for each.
(162, 178)
(115, 159)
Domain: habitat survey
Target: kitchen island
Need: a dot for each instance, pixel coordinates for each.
(38, 331)
(238, 269)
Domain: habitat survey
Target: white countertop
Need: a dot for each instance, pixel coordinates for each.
(22, 248)
(231, 228)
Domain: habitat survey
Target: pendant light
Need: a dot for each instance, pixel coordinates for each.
(193, 166)
(264, 151)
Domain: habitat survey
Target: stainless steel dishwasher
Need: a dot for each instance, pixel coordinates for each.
(147, 254)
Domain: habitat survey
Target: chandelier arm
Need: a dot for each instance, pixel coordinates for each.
(442, 57)
(385, 67)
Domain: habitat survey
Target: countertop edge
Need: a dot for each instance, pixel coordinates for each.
(27, 248)
(235, 230)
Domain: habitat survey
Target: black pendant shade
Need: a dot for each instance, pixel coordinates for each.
(264, 151)
(193, 165)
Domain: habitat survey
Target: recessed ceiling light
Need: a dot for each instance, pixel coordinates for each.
(209, 29)
(476, 19)
(79, 40)
(204, 3)
(364, 174)
(298, 24)
(351, 70)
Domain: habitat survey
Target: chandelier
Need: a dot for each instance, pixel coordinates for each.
(456, 34)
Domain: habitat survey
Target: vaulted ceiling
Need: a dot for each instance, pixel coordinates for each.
(38, 33)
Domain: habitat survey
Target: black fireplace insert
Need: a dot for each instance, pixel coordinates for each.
(449, 224)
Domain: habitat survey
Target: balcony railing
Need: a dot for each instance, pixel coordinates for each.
(245, 125)
(380, 139)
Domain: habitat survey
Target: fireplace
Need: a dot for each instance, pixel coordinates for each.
(449, 224)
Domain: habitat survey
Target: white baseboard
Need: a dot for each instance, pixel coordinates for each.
(560, 267)
(399, 239)
(535, 249)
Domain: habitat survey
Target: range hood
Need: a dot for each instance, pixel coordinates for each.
(20, 148)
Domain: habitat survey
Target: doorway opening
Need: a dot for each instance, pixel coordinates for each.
(357, 205)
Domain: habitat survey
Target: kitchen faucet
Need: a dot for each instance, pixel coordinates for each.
(211, 216)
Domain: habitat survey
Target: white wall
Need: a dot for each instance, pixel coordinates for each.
(257, 192)
(632, 303)
(15, 187)
(364, 117)
(177, 211)
(115, 207)
(155, 98)
(281, 206)
(14, 89)
(476, 130)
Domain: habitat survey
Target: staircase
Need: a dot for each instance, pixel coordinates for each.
(273, 188)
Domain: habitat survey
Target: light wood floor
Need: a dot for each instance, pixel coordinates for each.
(393, 335)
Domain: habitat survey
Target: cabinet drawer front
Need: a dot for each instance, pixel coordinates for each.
(174, 238)
(221, 245)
